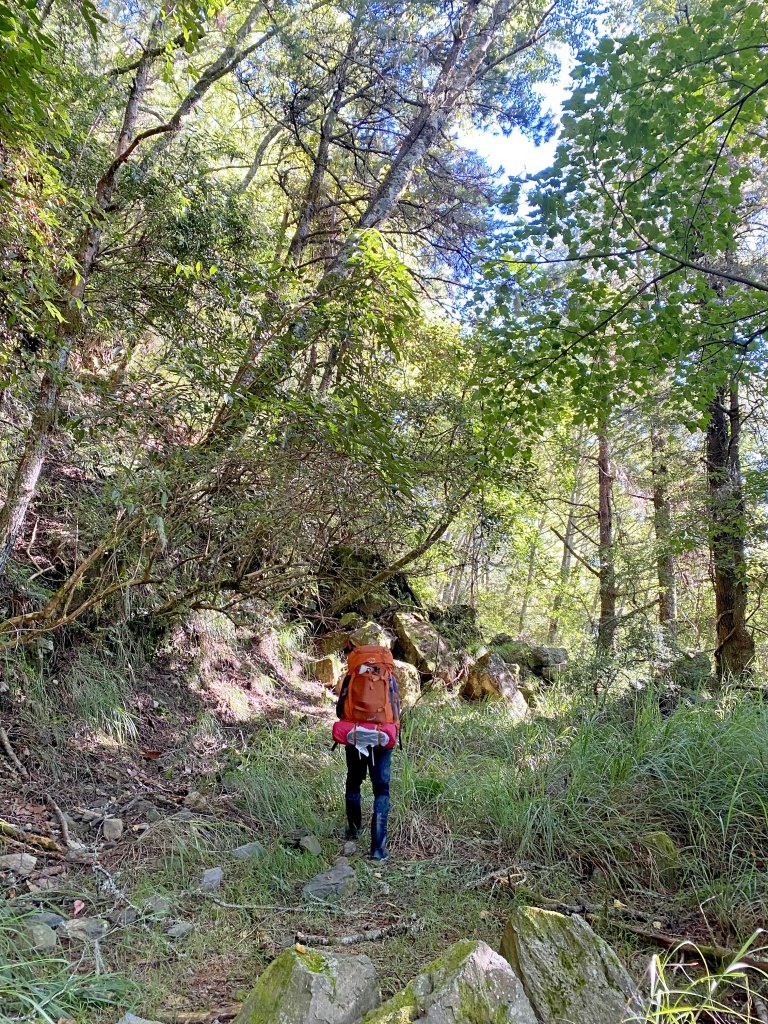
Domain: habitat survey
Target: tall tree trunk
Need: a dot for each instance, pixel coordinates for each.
(735, 649)
(606, 629)
(532, 553)
(662, 524)
(24, 483)
(570, 537)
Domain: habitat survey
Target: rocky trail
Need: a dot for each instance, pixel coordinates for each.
(205, 851)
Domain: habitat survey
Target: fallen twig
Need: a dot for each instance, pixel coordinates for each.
(714, 954)
(370, 935)
(10, 753)
(63, 827)
(30, 838)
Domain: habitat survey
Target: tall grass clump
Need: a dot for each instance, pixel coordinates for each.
(681, 996)
(44, 989)
(592, 784)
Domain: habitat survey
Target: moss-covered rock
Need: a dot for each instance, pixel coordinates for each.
(660, 850)
(371, 633)
(569, 973)
(408, 683)
(491, 677)
(691, 671)
(468, 984)
(545, 662)
(424, 648)
(327, 670)
(304, 986)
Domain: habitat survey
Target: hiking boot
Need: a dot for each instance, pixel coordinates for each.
(354, 817)
(379, 828)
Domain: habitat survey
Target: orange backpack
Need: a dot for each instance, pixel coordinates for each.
(369, 695)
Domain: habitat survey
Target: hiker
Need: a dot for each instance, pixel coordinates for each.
(368, 710)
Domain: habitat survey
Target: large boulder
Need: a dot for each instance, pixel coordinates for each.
(371, 633)
(469, 984)
(691, 671)
(328, 670)
(423, 647)
(491, 677)
(304, 986)
(408, 683)
(544, 662)
(569, 973)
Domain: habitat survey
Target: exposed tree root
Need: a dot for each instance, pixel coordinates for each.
(10, 753)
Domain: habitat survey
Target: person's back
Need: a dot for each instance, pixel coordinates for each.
(368, 710)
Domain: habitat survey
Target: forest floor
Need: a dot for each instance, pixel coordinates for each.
(647, 822)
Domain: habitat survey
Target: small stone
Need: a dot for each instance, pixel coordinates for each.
(46, 917)
(195, 801)
(21, 864)
(249, 851)
(156, 906)
(84, 929)
(123, 917)
(181, 817)
(349, 849)
(41, 937)
(112, 829)
(148, 810)
(179, 930)
(338, 881)
(131, 1018)
(311, 844)
(212, 879)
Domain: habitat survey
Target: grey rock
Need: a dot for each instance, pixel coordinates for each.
(212, 879)
(179, 930)
(46, 917)
(249, 851)
(21, 864)
(569, 972)
(123, 917)
(131, 1018)
(311, 844)
(41, 937)
(112, 829)
(491, 677)
(147, 810)
(338, 881)
(83, 929)
(305, 986)
(468, 984)
(371, 633)
(349, 849)
(157, 906)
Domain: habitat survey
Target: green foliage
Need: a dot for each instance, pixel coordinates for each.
(638, 256)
